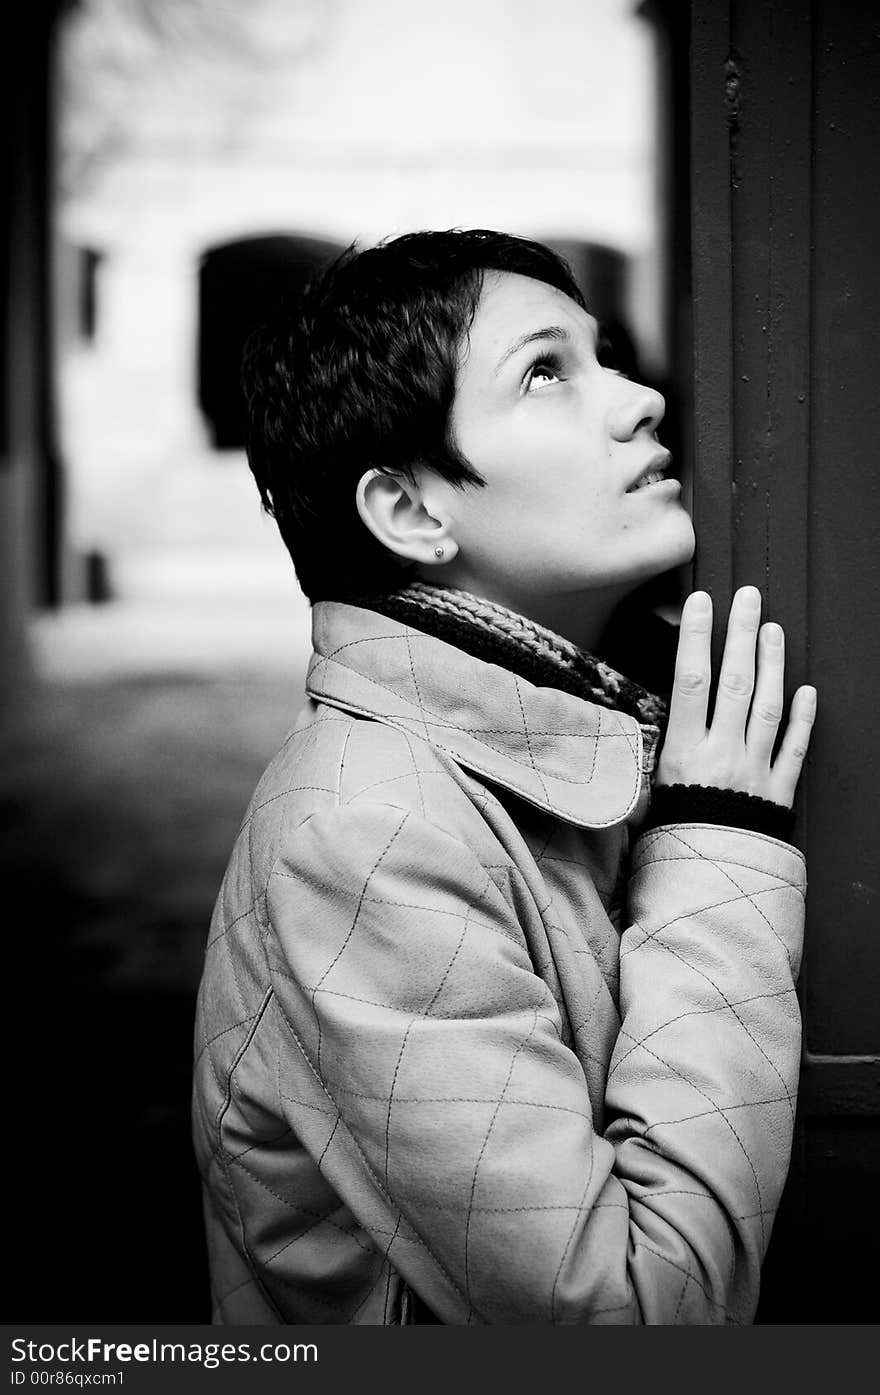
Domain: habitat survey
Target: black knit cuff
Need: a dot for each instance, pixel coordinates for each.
(730, 808)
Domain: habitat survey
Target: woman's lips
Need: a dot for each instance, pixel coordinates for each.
(653, 473)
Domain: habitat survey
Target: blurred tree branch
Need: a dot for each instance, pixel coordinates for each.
(131, 72)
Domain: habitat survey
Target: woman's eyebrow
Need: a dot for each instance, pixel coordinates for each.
(549, 332)
(557, 332)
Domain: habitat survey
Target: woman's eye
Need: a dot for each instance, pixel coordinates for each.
(541, 375)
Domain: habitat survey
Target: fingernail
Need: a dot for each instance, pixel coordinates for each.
(773, 634)
(810, 697)
(750, 596)
(700, 601)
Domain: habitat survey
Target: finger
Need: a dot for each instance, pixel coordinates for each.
(795, 744)
(693, 669)
(766, 713)
(737, 677)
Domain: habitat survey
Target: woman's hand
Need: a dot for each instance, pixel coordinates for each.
(734, 752)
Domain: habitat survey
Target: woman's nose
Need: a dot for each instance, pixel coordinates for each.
(638, 408)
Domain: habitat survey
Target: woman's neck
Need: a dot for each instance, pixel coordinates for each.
(581, 618)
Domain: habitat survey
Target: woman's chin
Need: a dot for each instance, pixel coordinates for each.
(681, 542)
(678, 552)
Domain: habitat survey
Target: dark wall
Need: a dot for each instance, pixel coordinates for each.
(30, 478)
(785, 223)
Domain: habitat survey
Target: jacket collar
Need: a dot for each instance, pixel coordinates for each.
(578, 760)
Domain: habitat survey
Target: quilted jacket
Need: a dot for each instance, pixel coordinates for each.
(462, 1029)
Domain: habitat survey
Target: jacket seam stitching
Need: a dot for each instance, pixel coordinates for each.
(364, 1160)
(221, 1152)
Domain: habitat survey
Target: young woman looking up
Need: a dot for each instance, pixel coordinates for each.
(498, 1019)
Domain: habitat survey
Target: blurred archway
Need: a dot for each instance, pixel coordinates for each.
(239, 282)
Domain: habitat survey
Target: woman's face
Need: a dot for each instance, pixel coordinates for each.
(562, 443)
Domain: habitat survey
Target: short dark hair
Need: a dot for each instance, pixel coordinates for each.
(358, 372)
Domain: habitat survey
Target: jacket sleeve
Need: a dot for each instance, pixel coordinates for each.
(464, 1137)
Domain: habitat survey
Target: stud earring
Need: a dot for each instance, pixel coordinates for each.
(438, 551)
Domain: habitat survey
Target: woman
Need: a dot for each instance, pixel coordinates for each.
(490, 1031)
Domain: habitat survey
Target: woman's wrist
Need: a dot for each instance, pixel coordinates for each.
(681, 803)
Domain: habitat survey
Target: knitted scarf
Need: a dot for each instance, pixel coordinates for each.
(499, 636)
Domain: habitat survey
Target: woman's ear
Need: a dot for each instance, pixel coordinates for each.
(393, 507)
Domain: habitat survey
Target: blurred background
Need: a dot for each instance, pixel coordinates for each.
(709, 171)
(207, 153)
(186, 159)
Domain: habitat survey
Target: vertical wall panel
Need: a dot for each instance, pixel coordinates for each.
(751, 186)
(712, 284)
(785, 227)
(843, 1000)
